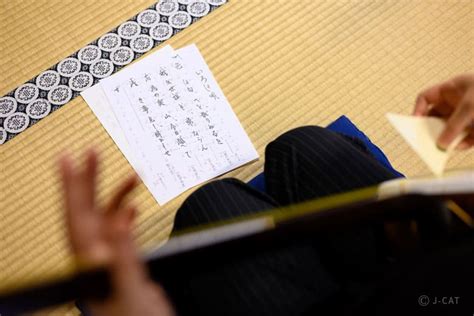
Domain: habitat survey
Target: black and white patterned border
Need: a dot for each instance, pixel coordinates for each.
(56, 86)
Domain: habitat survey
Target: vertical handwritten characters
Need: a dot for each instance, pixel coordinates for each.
(177, 121)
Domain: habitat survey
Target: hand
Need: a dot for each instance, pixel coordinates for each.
(103, 235)
(452, 100)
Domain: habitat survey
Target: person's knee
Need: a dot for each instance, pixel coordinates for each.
(201, 206)
(205, 192)
(302, 131)
(299, 139)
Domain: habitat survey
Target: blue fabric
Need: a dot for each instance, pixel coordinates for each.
(258, 182)
(342, 126)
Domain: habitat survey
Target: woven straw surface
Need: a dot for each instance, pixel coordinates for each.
(280, 63)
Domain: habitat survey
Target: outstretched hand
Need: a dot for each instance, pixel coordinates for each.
(452, 100)
(103, 235)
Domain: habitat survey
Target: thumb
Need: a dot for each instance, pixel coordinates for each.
(458, 121)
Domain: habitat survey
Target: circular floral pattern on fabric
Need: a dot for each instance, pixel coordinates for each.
(89, 54)
(3, 135)
(109, 42)
(161, 31)
(8, 106)
(100, 59)
(26, 93)
(180, 20)
(199, 8)
(69, 66)
(60, 95)
(38, 109)
(216, 2)
(81, 81)
(102, 68)
(16, 123)
(48, 80)
(167, 7)
(122, 56)
(141, 43)
(148, 18)
(129, 29)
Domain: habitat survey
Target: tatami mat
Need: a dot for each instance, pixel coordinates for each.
(280, 63)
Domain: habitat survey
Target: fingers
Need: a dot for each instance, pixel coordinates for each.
(125, 188)
(74, 212)
(79, 186)
(127, 268)
(79, 191)
(441, 98)
(88, 177)
(453, 99)
(464, 81)
(461, 118)
(468, 142)
(450, 94)
(429, 96)
(121, 221)
(67, 177)
(67, 171)
(115, 231)
(441, 111)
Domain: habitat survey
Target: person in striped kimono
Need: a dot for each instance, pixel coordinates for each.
(333, 273)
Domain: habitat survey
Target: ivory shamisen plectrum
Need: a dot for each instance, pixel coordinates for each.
(421, 133)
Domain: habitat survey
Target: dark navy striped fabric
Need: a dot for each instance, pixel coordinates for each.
(302, 164)
(344, 126)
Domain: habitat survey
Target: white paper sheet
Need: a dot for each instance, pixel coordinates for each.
(172, 122)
